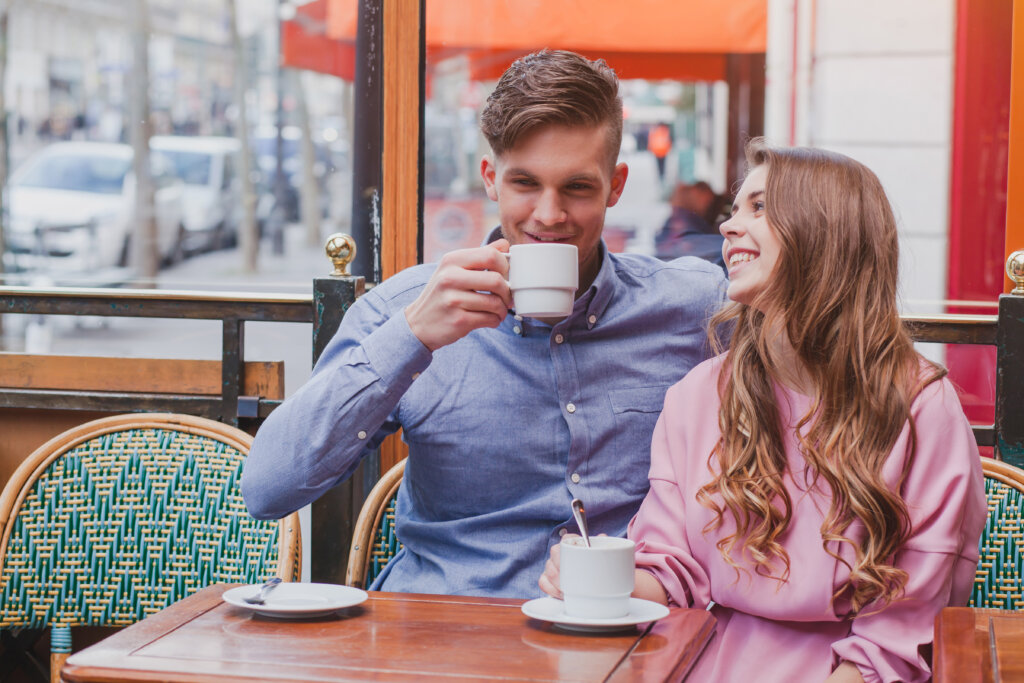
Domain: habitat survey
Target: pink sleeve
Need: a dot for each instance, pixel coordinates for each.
(659, 528)
(945, 496)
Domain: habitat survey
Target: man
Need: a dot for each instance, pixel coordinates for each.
(507, 418)
(691, 228)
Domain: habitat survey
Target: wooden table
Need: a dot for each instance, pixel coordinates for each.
(978, 646)
(390, 637)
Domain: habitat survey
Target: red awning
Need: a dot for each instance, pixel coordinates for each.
(655, 39)
(306, 45)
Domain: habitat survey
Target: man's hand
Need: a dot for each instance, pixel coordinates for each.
(468, 291)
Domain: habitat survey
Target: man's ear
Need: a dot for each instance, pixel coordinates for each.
(619, 175)
(488, 171)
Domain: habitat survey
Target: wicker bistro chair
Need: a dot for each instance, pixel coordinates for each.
(373, 541)
(117, 518)
(997, 583)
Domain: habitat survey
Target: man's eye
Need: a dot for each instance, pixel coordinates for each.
(523, 181)
(578, 187)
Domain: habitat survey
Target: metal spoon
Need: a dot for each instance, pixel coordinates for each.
(265, 589)
(581, 519)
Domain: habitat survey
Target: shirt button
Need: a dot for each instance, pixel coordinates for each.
(563, 532)
(571, 407)
(559, 339)
(361, 434)
(592, 319)
(517, 317)
(517, 329)
(575, 478)
(415, 375)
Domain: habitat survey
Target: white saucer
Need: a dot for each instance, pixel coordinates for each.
(297, 600)
(552, 610)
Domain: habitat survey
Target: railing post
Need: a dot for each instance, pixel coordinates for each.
(333, 515)
(1010, 367)
(232, 367)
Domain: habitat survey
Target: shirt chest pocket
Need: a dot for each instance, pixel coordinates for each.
(636, 411)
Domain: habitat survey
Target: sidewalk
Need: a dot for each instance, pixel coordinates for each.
(291, 272)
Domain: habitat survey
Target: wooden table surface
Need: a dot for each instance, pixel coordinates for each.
(390, 637)
(978, 646)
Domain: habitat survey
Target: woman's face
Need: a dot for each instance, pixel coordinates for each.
(751, 247)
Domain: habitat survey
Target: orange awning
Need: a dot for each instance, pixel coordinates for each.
(670, 39)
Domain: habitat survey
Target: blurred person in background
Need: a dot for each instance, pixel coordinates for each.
(692, 227)
(659, 143)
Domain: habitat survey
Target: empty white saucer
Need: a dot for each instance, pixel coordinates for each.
(552, 610)
(297, 600)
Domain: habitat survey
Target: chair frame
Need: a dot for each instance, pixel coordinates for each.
(1004, 472)
(35, 465)
(368, 523)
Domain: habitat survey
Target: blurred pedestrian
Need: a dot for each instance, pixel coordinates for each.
(691, 229)
(659, 143)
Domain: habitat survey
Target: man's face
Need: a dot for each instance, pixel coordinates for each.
(555, 186)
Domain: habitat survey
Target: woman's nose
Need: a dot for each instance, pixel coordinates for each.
(731, 226)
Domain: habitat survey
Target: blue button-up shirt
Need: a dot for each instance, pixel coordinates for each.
(505, 426)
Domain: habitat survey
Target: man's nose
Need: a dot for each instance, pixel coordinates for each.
(549, 209)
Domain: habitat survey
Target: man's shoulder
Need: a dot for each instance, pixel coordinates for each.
(694, 270)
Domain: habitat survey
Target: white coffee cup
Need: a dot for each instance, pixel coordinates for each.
(543, 279)
(596, 582)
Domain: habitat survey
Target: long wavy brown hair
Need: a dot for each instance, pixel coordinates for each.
(833, 294)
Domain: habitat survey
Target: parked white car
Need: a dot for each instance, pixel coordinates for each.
(208, 166)
(72, 208)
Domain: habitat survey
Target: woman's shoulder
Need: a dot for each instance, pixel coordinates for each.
(702, 378)
(938, 395)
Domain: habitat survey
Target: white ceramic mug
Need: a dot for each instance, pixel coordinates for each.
(596, 582)
(543, 279)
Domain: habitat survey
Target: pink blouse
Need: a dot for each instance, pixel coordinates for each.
(769, 631)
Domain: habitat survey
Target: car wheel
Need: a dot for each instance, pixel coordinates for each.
(178, 252)
(126, 252)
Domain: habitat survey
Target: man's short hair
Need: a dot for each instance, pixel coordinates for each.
(553, 87)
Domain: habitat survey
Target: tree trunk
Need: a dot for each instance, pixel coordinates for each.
(248, 232)
(145, 250)
(310, 189)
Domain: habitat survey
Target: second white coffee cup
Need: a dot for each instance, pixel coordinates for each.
(543, 279)
(596, 582)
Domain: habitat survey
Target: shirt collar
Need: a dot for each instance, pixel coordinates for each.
(599, 294)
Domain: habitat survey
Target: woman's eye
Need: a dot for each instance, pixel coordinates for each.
(758, 207)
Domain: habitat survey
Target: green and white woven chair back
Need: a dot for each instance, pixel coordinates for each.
(997, 583)
(126, 523)
(385, 543)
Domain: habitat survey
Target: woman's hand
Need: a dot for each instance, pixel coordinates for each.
(845, 673)
(549, 581)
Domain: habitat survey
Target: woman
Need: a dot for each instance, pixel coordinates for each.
(818, 484)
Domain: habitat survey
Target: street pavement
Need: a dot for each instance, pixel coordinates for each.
(640, 212)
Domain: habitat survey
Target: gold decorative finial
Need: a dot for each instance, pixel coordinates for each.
(1015, 270)
(341, 249)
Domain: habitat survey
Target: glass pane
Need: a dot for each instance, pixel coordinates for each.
(71, 98)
